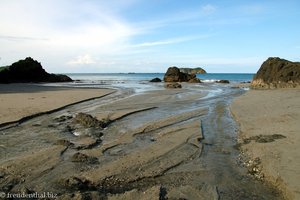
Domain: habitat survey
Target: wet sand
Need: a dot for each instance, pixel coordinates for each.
(161, 144)
(21, 100)
(269, 131)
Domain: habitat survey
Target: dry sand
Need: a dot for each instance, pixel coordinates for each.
(261, 114)
(20, 100)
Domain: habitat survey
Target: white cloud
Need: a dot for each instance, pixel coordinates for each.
(170, 41)
(208, 9)
(252, 9)
(82, 60)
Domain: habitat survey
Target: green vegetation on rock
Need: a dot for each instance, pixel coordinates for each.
(28, 70)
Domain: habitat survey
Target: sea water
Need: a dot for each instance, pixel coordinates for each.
(141, 77)
(139, 82)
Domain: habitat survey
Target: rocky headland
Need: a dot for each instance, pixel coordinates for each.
(277, 73)
(29, 71)
(197, 70)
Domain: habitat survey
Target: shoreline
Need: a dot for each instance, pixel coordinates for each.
(21, 102)
(268, 136)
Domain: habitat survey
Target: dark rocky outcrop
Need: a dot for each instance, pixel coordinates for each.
(29, 70)
(173, 85)
(197, 70)
(173, 74)
(222, 81)
(277, 73)
(155, 80)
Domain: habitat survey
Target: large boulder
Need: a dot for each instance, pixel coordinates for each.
(277, 73)
(197, 70)
(173, 74)
(28, 70)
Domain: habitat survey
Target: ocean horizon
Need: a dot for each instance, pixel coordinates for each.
(138, 77)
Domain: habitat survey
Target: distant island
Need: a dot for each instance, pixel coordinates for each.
(29, 70)
(197, 70)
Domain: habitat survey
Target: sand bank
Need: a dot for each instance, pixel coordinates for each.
(20, 100)
(269, 130)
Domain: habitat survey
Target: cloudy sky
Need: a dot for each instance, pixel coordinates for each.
(148, 36)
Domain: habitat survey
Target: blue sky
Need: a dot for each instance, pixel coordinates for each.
(149, 36)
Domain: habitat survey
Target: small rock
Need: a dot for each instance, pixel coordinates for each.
(88, 121)
(64, 143)
(62, 118)
(194, 80)
(173, 85)
(74, 183)
(80, 157)
(155, 80)
(222, 81)
(25, 190)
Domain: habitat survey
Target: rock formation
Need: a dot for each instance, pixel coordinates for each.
(173, 74)
(197, 70)
(29, 70)
(173, 85)
(155, 80)
(277, 73)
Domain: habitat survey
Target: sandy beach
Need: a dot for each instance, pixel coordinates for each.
(20, 100)
(158, 144)
(269, 131)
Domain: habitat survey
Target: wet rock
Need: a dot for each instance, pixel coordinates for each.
(173, 74)
(162, 193)
(83, 158)
(25, 190)
(194, 80)
(264, 138)
(2, 174)
(64, 143)
(155, 80)
(62, 118)
(88, 121)
(277, 73)
(173, 85)
(91, 145)
(82, 196)
(254, 168)
(74, 183)
(222, 81)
